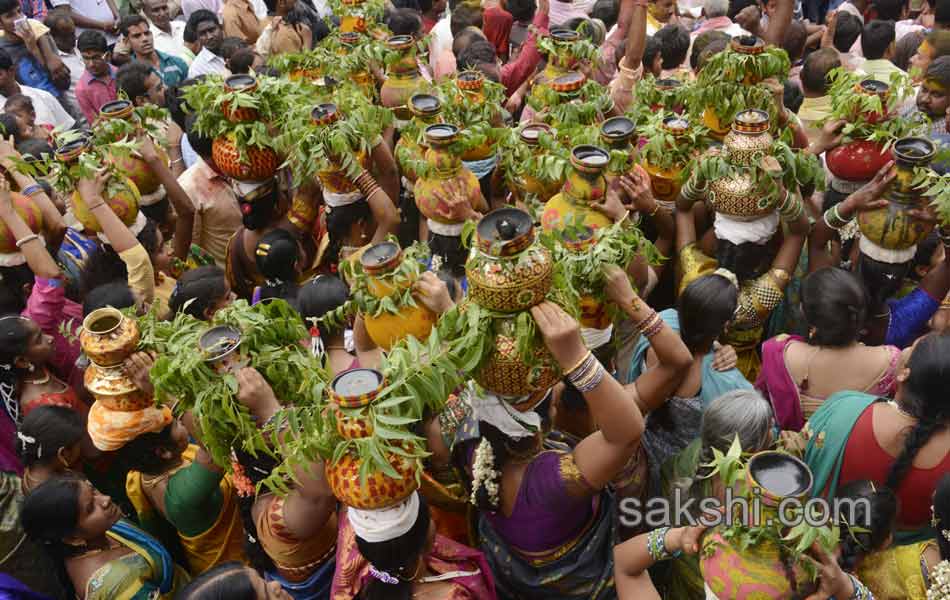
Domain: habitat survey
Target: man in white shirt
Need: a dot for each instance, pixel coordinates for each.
(47, 107)
(100, 15)
(167, 35)
(210, 34)
(877, 45)
(63, 31)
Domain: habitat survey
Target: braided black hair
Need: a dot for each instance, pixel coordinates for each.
(923, 396)
(866, 522)
(45, 431)
(257, 468)
(398, 557)
(15, 335)
(835, 303)
(277, 256)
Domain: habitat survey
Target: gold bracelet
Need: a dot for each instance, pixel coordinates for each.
(579, 363)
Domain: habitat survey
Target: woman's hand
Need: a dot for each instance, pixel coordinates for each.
(432, 292)
(91, 189)
(612, 206)
(724, 358)
(618, 288)
(6, 200)
(833, 582)
(147, 149)
(639, 191)
(561, 333)
(255, 393)
(137, 367)
(828, 138)
(869, 196)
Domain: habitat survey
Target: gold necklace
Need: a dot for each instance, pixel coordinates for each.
(41, 380)
(898, 408)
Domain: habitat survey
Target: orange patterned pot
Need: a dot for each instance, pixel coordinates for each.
(122, 197)
(31, 215)
(138, 171)
(260, 163)
(352, 390)
(526, 184)
(112, 388)
(593, 312)
(380, 489)
(504, 373)
(108, 337)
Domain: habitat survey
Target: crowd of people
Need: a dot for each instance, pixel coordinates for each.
(793, 334)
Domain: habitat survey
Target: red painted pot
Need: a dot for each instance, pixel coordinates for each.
(857, 161)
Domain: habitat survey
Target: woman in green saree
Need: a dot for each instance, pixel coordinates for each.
(100, 556)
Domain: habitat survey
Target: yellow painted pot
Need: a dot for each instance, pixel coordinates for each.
(716, 128)
(584, 186)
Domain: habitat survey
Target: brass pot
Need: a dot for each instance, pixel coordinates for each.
(108, 337)
(505, 374)
(113, 389)
(508, 272)
(741, 195)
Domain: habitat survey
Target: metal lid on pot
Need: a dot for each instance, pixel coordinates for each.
(748, 44)
(675, 125)
(399, 42)
(324, 114)
(471, 80)
(505, 232)
(617, 130)
(424, 105)
(667, 84)
(914, 151)
(441, 134)
(356, 387)
(569, 82)
(219, 341)
(589, 159)
(779, 475)
(242, 82)
(531, 132)
(562, 34)
(873, 87)
(751, 121)
(116, 108)
(381, 258)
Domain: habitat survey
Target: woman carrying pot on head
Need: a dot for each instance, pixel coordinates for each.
(798, 374)
(292, 538)
(739, 413)
(174, 485)
(546, 519)
(903, 444)
(702, 313)
(395, 553)
(201, 292)
(896, 322)
(98, 554)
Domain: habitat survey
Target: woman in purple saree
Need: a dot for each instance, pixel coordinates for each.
(547, 522)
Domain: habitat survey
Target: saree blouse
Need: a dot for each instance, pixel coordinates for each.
(898, 573)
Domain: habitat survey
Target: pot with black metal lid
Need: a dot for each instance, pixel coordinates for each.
(617, 134)
(448, 193)
(426, 109)
(506, 270)
(219, 345)
(584, 186)
(403, 78)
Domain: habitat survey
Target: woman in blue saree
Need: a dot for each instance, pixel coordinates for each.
(101, 556)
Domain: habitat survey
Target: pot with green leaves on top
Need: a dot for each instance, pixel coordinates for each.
(617, 134)
(666, 154)
(448, 193)
(895, 226)
(426, 109)
(507, 271)
(129, 163)
(584, 186)
(389, 278)
(403, 78)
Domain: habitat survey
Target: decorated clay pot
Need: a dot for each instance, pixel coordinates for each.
(874, 87)
(239, 83)
(122, 197)
(380, 489)
(563, 60)
(219, 345)
(305, 74)
(131, 165)
(505, 374)
(443, 194)
(759, 571)
(748, 45)
(665, 183)
(508, 272)
(741, 195)
(112, 388)
(617, 134)
(352, 19)
(893, 227)
(717, 129)
(259, 163)
(472, 84)
(425, 110)
(528, 185)
(585, 185)
(857, 161)
(353, 390)
(402, 77)
(334, 180)
(108, 337)
(379, 263)
(665, 88)
(593, 312)
(31, 215)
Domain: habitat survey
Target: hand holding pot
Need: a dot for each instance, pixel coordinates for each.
(137, 367)
(636, 185)
(618, 287)
(612, 206)
(432, 292)
(829, 137)
(869, 196)
(256, 394)
(561, 333)
(833, 582)
(90, 189)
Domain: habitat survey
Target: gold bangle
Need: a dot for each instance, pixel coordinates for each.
(579, 363)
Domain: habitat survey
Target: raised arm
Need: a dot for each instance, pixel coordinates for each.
(310, 502)
(52, 219)
(381, 205)
(778, 23)
(176, 195)
(30, 244)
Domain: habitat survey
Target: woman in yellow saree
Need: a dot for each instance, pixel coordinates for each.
(100, 555)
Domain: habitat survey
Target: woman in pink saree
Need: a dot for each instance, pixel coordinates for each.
(395, 553)
(798, 375)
